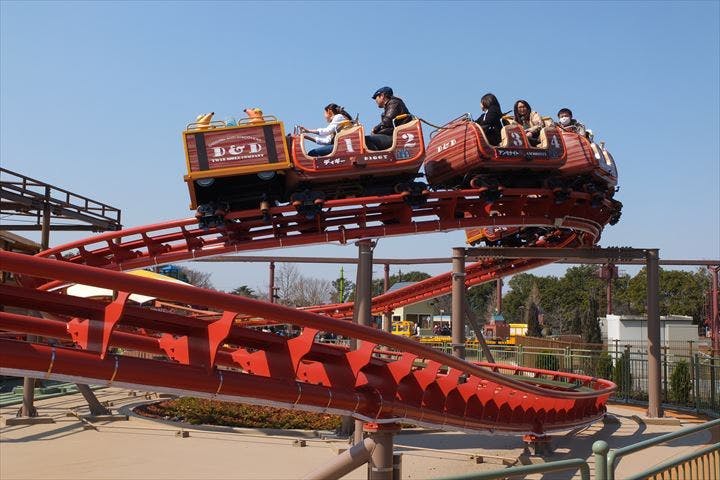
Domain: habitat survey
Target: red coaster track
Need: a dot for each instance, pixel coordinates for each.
(388, 379)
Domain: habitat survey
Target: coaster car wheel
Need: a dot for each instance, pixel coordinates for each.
(489, 187)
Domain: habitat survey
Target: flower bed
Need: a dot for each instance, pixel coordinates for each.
(198, 411)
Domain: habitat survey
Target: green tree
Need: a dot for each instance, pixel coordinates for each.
(481, 299)
(532, 312)
(520, 287)
(343, 289)
(604, 366)
(681, 383)
(622, 376)
(244, 291)
(378, 284)
(572, 324)
(591, 328)
(680, 293)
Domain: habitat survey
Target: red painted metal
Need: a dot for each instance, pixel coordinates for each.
(389, 379)
(295, 372)
(340, 221)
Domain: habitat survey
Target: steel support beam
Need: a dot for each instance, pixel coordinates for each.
(478, 332)
(458, 303)
(28, 408)
(439, 260)
(363, 302)
(381, 460)
(271, 283)
(715, 321)
(387, 316)
(653, 311)
(575, 255)
(344, 463)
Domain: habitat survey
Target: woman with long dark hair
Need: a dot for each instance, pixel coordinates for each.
(324, 136)
(530, 120)
(490, 118)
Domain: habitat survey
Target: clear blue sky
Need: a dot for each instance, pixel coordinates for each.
(94, 95)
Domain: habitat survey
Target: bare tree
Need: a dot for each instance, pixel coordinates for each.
(313, 291)
(197, 278)
(287, 280)
(296, 290)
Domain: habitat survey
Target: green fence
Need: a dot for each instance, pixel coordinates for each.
(689, 379)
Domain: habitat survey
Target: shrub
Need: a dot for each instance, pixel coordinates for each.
(622, 376)
(547, 361)
(604, 366)
(681, 383)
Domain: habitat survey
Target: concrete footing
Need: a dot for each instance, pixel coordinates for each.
(675, 422)
(28, 420)
(538, 444)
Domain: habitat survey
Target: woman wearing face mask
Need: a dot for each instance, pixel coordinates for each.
(567, 122)
(490, 118)
(530, 121)
(335, 116)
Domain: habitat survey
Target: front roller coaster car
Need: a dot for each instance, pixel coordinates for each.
(351, 169)
(235, 167)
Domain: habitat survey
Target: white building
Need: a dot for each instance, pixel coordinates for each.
(633, 328)
(418, 313)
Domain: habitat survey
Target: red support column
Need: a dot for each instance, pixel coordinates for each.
(498, 294)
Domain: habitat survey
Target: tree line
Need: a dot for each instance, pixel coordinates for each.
(568, 304)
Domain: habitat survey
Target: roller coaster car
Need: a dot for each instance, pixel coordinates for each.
(511, 236)
(459, 154)
(352, 169)
(590, 166)
(235, 167)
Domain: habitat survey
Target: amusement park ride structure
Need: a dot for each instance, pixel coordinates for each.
(388, 379)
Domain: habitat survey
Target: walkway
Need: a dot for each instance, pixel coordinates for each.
(144, 448)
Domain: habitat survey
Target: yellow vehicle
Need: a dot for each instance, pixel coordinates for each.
(235, 167)
(404, 328)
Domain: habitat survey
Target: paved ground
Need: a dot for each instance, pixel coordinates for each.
(142, 448)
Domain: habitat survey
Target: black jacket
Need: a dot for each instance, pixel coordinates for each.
(490, 123)
(394, 107)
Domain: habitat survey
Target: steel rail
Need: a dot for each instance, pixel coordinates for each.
(188, 294)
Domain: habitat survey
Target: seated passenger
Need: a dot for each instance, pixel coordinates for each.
(567, 122)
(335, 116)
(531, 121)
(381, 138)
(489, 121)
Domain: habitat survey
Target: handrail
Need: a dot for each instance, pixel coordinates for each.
(676, 462)
(573, 463)
(605, 462)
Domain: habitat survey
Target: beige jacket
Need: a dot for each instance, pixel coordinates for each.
(535, 124)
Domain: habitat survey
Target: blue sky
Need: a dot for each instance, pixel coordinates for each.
(94, 95)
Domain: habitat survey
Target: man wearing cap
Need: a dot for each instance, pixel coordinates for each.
(381, 138)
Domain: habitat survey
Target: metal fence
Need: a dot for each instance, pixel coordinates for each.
(690, 379)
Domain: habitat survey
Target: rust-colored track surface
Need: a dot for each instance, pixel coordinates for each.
(388, 379)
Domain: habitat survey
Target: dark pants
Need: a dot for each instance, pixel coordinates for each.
(378, 142)
(321, 151)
